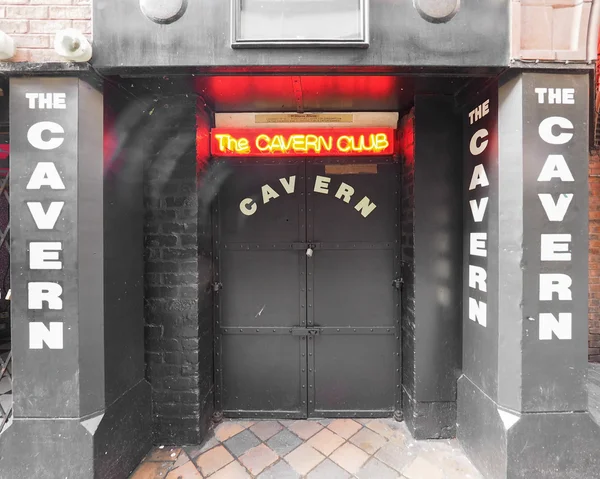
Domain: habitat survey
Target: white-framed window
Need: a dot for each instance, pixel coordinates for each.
(258, 23)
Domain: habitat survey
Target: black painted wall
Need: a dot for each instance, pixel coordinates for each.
(432, 242)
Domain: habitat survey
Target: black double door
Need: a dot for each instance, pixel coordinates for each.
(308, 296)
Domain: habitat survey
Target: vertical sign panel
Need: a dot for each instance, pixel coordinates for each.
(555, 205)
(43, 183)
(480, 325)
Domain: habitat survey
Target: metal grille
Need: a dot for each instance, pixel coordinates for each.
(5, 349)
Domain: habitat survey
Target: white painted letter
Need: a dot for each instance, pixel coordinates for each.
(549, 324)
(37, 293)
(478, 311)
(555, 247)
(365, 207)
(346, 191)
(44, 255)
(34, 135)
(556, 211)
(477, 278)
(478, 210)
(321, 184)
(478, 149)
(45, 174)
(545, 130)
(477, 244)
(39, 334)
(479, 178)
(289, 185)
(45, 220)
(555, 167)
(248, 207)
(555, 283)
(268, 194)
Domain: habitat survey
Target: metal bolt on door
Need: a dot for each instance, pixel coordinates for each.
(307, 309)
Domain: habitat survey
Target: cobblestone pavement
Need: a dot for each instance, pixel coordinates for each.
(311, 449)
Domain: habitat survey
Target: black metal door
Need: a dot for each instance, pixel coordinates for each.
(307, 305)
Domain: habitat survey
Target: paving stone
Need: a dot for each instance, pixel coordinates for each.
(232, 471)
(258, 459)
(195, 451)
(281, 470)
(163, 454)
(368, 440)
(305, 429)
(349, 457)
(328, 470)
(187, 471)
(325, 441)
(246, 424)
(213, 460)
(457, 466)
(396, 456)
(241, 443)
(284, 442)
(363, 420)
(287, 422)
(182, 459)
(326, 422)
(345, 427)
(421, 468)
(374, 469)
(266, 429)
(304, 458)
(381, 427)
(151, 470)
(228, 429)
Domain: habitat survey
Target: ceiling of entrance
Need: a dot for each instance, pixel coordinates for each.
(320, 93)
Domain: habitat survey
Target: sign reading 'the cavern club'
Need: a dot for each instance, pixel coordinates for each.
(294, 142)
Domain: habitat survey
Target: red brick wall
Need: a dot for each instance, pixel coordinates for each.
(594, 261)
(33, 24)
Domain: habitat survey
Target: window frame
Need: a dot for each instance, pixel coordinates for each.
(236, 42)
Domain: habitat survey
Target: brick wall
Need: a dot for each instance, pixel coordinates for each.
(178, 299)
(406, 142)
(594, 260)
(33, 24)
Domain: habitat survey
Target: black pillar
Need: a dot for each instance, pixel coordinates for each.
(432, 262)
(81, 404)
(522, 402)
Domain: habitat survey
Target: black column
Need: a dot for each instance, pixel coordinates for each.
(522, 402)
(432, 238)
(81, 405)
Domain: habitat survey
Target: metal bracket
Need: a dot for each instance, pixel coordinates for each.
(217, 287)
(397, 283)
(305, 331)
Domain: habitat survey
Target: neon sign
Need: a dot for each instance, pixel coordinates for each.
(311, 142)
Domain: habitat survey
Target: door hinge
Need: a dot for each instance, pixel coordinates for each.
(397, 283)
(217, 286)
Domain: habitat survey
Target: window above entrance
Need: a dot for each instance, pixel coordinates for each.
(299, 23)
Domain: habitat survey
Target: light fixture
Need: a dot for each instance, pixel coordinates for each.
(72, 45)
(7, 46)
